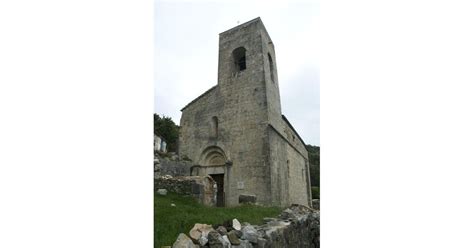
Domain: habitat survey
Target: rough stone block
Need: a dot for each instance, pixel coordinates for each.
(247, 198)
(236, 225)
(183, 241)
(315, 203)
(162, 191)
(250, 233)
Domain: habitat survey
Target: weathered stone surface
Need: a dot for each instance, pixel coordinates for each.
(233, 238)
(238, 233)
(215, 240)
(243, 244)
(174, 168)
(200, 187)
(236, 225)
(162, 191)
(203, 240)
(247, 198)
(200, 231)
(266, 220)
(261, 243)
(183, 241)
(250, 233)
(297, 226)
(225, 241)
(222, 230)
(315, 203)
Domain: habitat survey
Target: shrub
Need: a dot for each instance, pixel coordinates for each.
(168, 130)
(315, 192)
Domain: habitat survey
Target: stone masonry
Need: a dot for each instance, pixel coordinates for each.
(297, 226)
(235, 132)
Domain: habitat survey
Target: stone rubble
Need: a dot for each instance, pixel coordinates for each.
(162, 191)
(184, 241)
(236, 225)
(297, 226)
(222, 230)
(315, 203)
(250, 233)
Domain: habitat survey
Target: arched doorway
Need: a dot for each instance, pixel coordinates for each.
(214, 163)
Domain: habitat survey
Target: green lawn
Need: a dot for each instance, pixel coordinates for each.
(170, 221)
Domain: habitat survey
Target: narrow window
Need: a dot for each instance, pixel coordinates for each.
(271, 66)
(215, 126)
(288, 168)
(240, 62)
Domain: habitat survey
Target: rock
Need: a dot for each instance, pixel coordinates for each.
(225, 241)
(222, 230)
(162, 191)
(233, 238)
(236, 225)
(315, 203)
(250, 233)
(183, 241)
(199, 233)
(215, 239)
(203, 241)
(247, 198)
(243, 244)
(267, 220)
(173, 205)
(238, 233)
(261, 243)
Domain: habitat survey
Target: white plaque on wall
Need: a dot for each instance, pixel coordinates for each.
(240, 185)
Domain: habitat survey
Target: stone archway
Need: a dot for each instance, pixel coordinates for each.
(212, 156)
(213, 163)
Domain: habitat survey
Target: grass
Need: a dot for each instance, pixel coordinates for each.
(171, 221)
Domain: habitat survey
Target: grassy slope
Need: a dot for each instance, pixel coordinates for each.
(170, 221)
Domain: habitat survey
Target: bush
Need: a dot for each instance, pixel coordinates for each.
(168, 130)
(313, 157)
(315, 192)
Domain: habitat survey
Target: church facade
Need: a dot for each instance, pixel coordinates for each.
(235, 132)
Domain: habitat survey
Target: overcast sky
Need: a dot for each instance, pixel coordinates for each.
(186, 53)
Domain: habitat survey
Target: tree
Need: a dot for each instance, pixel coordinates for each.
(313, 156)
(168, 130)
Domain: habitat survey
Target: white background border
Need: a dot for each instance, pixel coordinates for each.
(76, 98)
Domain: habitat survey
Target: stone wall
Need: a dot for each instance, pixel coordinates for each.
(200, 187)
(297, 226)
(171, 165)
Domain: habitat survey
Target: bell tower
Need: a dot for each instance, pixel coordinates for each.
(247, 68)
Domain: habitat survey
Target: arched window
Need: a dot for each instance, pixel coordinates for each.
(215, 127)
(271, 66)
(239, 59)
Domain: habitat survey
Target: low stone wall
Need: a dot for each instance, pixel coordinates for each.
(297, 226)
(171, 166)
(203, 188)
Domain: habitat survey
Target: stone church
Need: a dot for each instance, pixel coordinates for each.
(235, 131)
